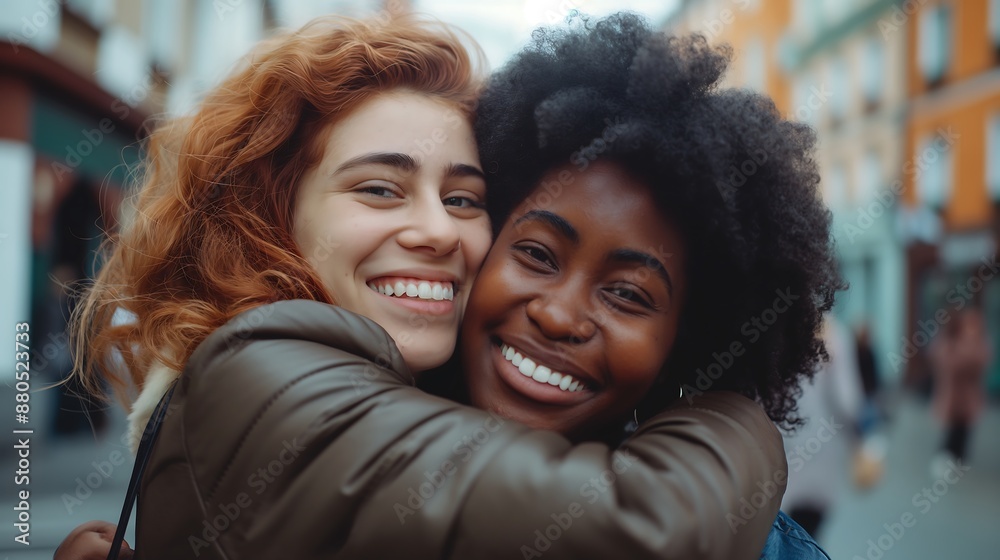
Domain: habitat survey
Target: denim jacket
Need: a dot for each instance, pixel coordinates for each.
(789, 541)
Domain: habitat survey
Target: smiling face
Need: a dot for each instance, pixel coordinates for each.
(577, 305)
(392, 219)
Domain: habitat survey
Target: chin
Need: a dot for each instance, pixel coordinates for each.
(419, 359)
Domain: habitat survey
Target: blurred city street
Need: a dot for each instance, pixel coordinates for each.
(904, 100)
(962, 524)
(67, 487)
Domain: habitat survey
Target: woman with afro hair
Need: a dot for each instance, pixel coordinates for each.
(736, 181)
(613, 158)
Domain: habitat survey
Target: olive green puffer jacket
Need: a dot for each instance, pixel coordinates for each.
(296, 432)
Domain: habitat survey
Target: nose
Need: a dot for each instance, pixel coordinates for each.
(559, 315)
(431, 229)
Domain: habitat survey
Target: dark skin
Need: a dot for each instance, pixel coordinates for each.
(591, 284)
(604, 306)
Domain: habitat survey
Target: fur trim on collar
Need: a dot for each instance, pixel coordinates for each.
(158, 380)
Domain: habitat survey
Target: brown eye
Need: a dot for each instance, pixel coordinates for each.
(537, 254)
(462, 202)
(379, 191)
(629, 294)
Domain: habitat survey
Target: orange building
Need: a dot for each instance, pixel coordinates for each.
(825, 63)
(953, 193)
(753, 28)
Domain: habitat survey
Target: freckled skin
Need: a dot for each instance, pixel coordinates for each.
(614, 320)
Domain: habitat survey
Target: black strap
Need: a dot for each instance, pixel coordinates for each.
(141, 459)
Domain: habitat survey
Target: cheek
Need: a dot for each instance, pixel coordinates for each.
(639, 355)
(490, 298)
(319, 230)
(476, 240)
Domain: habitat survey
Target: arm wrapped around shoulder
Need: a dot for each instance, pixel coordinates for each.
(698, 481)
(312, 427)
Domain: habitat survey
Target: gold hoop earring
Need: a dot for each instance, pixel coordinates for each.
(635, 411)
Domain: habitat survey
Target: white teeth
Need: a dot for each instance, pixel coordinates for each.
(540, 373)
(424, 290)
(432, 291)
(566, 380)
(527, 367)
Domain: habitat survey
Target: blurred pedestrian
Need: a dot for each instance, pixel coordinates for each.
(959, 357)
(870, 382)
(820, 450)
(870, 456)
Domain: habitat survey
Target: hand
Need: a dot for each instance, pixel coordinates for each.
(91, 541)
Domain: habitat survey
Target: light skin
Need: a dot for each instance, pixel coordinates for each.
(602, 302)
(397, 200)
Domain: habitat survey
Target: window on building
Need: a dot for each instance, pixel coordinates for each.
(31, 24)
(162, 33)
(807, 16)
(808, 97)
(835, 191)
(97, 12)
(222, 36)
(755, 65)
(873, 70)
(121, 65)
(869, 177)
(840, 84)
(834, 10)
(934, 42)
(993, 156)
(933, 172)
(993, 22)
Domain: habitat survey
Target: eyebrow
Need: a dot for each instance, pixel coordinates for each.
(632, 256)
(400, 161)
(629, 256)
(554, 220)
(464, 170)
(406, 163)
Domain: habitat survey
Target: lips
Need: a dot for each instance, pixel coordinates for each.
(539, 372)
(535, 377)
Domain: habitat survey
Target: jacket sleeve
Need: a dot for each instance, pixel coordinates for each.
(310, 423)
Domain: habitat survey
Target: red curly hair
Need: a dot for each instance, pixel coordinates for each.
(211, 234)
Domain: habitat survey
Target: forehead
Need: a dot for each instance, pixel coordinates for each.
(404, 122)
(603, 198)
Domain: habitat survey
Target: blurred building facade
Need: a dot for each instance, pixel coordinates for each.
(953, 85)
(82, 82)
(903, 97)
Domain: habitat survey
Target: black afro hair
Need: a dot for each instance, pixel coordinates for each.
(739, 181)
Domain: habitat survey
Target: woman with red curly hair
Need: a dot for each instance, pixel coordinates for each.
(276, 232)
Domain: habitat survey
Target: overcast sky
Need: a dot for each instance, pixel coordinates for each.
(503, 26)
